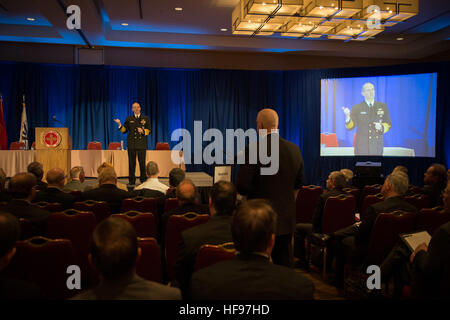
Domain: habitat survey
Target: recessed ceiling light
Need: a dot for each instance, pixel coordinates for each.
(125, 24)
(400, 39)
(179, 9)
(31, 19)
(224, 29)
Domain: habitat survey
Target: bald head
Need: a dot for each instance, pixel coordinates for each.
(55, 177)
(186, 191)
(267, 119)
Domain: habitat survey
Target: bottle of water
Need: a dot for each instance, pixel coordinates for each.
(121, 145)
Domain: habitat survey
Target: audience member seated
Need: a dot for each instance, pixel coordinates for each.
(435, 180)
(400, 169)
(335, 183)
(176, 175)
(348, 177)
(22, 188)
(4, 195)
(37, 169)
(53, 193)
(427, 269)
(353, 241)
(217, 230)
(77, 179)
(152, 188)
(187, 199)
(107, 191)
(250, 275)
(114, 252)
(12, 288)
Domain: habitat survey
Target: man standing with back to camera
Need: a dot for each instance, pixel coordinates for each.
(372, 119)
(138, 128)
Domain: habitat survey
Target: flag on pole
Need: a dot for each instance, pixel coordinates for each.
(3, 139)
(24, 125)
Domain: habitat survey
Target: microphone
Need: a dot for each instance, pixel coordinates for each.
(56, 120)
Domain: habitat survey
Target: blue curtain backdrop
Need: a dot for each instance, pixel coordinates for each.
(86, 99)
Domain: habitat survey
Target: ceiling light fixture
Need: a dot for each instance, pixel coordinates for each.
(178, 9)
(224, 29)
(124, 24)
(329, 18)
(31, 19)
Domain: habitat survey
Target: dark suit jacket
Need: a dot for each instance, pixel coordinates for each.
(136, 140)
(216, 231)
(432, 277)
(52, 194)
(362, 236)
(250, 277)
(109, 193)
(369, 141)
(5, 196)
(278, 188)
(41, 185)
(134, 288)
(318, 214)
(15, 289)
(434, 192)
(23, 209)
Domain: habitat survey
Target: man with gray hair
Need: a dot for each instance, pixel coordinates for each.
(372, 119)
(76, 182)
(152, 188)
(356, 238)
(53, 193)
(107, 190)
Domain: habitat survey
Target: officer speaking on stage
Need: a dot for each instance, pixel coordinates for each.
(138, 128)
(372, 121)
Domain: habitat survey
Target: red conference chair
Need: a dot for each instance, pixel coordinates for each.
(94, 145)
(329, 139)
(306, 203)
(149, 265)
(115, 146)
(430, 219)
(77, 226)
(212, 254)
(368, 201)
(52, 207)
(338, 213)
(44, 262)
(162, 146)
(170, 204)
(100, 209)
(17, 145)
(419, 201)
(175, 226)
(76, 194)
(26, 229)
(143, 223)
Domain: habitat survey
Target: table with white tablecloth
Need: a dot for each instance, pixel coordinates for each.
(14, 161)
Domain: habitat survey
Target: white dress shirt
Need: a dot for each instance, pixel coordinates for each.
(153, 184)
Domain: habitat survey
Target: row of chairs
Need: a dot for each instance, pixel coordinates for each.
(308, 198)
(44, 261)
(93, 145)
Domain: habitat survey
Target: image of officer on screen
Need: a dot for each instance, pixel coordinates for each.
(372, 121)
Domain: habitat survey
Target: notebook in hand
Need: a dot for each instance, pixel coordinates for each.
(414, 239)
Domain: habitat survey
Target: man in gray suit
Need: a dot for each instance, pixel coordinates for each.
(76, 182)
(114, 252)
